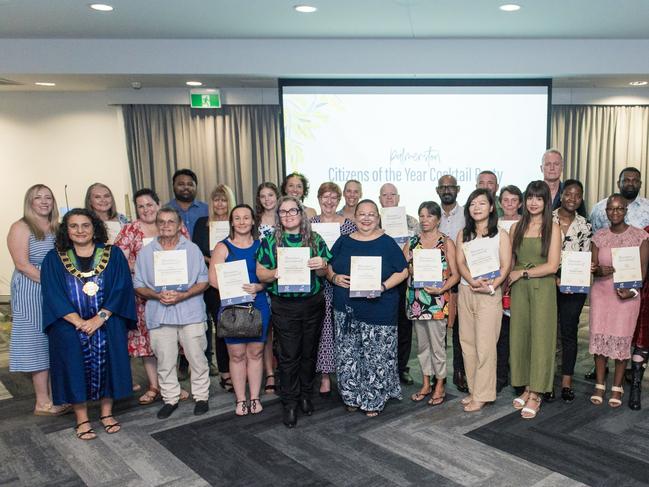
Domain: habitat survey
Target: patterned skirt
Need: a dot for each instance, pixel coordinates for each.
(326, 363)
(366, 362)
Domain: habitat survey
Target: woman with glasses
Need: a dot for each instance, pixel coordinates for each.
(329, 195)
(297, 316)
(613, 312)
(366, 327)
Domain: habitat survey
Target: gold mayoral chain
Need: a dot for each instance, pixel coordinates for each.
(90, 288)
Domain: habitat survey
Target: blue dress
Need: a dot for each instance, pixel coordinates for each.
(28, 349)
(86, 368)
(261, 299)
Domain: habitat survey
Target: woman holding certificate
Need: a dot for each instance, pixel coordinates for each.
(536, 244)
(483, 260)
(245, 353)
(208, 231)
(576, 234)
(88, 304)
(330, 226)
(293, 261)
(620, 256)
(367, 264)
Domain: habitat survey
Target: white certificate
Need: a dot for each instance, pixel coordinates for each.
(113, 229)
(626, 262)
(506, 224)
(147, 240)
(170, 268)
(395, 223)
(365, 277)
(427, 268)
(575, 272)
(328, 231)
(294, 274)
(218, 232)
(231, 277)
(483, 257)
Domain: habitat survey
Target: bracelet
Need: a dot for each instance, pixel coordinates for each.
(383, 287)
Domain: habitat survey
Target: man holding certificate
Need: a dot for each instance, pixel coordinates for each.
(292, 261)
(171, 275)
(365, 326)
(613, 308)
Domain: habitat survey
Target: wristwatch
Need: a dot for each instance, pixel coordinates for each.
(525, 275)
(103, 315)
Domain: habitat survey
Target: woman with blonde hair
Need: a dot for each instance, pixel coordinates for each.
(29, 240)
(99, 198)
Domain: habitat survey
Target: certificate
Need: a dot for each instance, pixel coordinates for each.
(483, 257)
(427, 268)
(294, 274)
(231, 277)
(395, 224)
(575, 272)
(113, 229)
(328, 231)
(147, 240)
(365, 277)
(218, 232)
(170, 268)
(506, 224)
(628, 272)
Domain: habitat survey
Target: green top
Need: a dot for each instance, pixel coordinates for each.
(267, 256)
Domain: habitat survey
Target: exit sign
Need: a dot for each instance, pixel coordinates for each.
(205, 98)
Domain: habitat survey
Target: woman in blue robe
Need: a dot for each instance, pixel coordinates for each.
(88, 304)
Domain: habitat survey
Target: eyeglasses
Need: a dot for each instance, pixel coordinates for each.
(447, 187)
(616, 209)
(291, 212)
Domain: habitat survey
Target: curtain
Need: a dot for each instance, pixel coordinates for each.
(597, 142)
(237, 145)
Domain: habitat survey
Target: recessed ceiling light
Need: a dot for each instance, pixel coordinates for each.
(194, 83)
(639, 83)
(44, 83)
(101, 7)
(305, 9)
(509, 7)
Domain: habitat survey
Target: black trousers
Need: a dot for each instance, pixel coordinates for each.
(569, 307)
(458, 361)
(404, 331)
(297, 323)
(502, 351)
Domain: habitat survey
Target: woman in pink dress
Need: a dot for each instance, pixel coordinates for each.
(130, 240)
(613, 312)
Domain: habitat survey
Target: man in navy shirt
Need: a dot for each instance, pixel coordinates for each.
(184, 185)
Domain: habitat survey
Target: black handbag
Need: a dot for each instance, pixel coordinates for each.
(239, 321)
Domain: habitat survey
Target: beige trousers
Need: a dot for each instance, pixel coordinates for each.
(431, 347)
(164, 343)
(480, 320)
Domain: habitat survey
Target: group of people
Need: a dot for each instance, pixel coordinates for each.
(84, 301)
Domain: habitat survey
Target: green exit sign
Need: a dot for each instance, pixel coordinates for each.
(205, 98)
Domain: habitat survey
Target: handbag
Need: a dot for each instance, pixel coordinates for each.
(239, 321)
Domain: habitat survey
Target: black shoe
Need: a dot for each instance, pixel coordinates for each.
(460, 381)
(549, 396)
(592, 374)
(406, 378)
(201, 407)
(289, 418)
(306, 406)
(166, 410)
(567, 394)
(637, 369)
(213, 370)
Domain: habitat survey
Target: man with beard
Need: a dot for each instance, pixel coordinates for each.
(184, 185)
(451, 224)
(629, 184)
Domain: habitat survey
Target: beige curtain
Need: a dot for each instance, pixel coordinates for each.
(237, 145)
(597, 142)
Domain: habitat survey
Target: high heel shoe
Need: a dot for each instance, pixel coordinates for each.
(226, 384)
(596, 399)
(244, 408)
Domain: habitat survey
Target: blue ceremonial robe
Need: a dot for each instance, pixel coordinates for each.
(86, 368)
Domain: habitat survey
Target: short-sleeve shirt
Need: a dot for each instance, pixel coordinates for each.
(637, 214)
(267, 256)
(196, 210)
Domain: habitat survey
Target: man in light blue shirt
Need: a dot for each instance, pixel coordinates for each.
(637, 215)
(190, 209)
(175, 313)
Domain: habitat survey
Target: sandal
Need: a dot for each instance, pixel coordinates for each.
(110, 428)
(184, 395)
(82, 435)
(150, 396)
(596, 399)
(520, 401)
(615, 402)
(420, 396)
(244, 408)
(52, 410)
(437, 400)
(528, 412)
(466, 400)
(255, 406)
(226, 384)
(270, 388)
(474, 406)
(351, 409)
